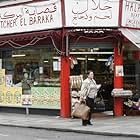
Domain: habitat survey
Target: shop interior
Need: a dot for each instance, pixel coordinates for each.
(132, 79)
(39, 64)
(98, 59)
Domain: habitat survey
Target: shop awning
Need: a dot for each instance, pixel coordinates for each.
(24, 36)
(132, 35)
(30, 39)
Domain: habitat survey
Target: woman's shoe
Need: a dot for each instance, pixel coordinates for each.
(84, 122)
(89, 123)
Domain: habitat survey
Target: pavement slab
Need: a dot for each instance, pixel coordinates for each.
(115, 126)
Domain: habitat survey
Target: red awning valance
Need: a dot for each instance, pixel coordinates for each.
(19, 41)
(25, 36)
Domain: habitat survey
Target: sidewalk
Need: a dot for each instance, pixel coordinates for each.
(102, 124)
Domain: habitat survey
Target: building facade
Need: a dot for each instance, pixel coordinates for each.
(44, 43)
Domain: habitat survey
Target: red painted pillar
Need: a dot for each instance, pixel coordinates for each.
(118, 82)
(65, 87)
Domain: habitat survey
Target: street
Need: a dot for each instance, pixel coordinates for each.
(16, 133)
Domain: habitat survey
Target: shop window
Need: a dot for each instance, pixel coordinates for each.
(39, 64)
(30, 76)
(130, 73)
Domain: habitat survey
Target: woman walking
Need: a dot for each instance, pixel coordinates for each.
(88, 94)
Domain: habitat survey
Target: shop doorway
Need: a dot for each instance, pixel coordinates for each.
(100, 60)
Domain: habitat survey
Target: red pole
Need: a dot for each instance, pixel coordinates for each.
(118, 81)
(65, 87)
(65, 73)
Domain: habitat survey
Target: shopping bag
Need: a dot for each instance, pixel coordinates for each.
(81, 110)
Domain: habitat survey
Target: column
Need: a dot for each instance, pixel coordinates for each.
(118, 81)
(65, 87)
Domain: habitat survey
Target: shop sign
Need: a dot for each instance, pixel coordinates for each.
(92, 13)
(46, 97)
(131, 13)
(31, 17)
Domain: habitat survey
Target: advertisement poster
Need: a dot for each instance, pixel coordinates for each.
(17, 93)
(56, 65)
(11, 96)
(26, 99)
(2, 96)
(9, 80)
(46, 97)
(2, 77)
(119, 71)
(0, 63)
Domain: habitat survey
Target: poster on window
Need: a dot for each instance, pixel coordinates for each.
(12, 96)
(0, 63)
(2, 78)
(46, 97)
(56, 65)
(9, 80)
(2, 96)
(119, 71)
(26, 99)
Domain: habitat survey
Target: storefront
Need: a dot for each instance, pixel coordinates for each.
(96, 37)
(60, 39)
(30, 55)
(130, 29)
(92, 54)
